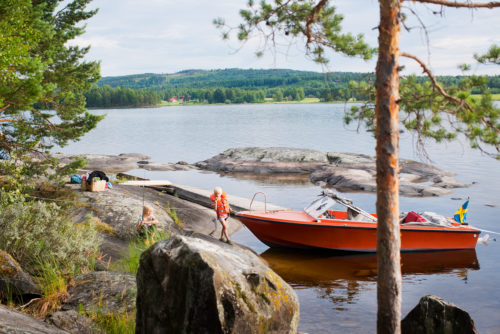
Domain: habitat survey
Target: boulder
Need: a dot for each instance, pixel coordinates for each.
(201, 285)
(73, 322)
(437, 316)
(14, 280)
(108, 291)
(14, 322)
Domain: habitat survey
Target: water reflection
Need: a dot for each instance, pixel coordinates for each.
(340, 278)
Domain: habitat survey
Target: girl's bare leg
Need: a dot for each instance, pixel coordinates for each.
(224, 229)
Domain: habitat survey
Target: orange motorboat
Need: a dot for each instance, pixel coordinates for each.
(319, 226)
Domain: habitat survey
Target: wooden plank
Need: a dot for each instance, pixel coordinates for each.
(146, 183)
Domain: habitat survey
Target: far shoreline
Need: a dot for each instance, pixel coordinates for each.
(494, 97)
(176, 104)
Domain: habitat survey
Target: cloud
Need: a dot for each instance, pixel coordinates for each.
(95, 42)
(131, 36)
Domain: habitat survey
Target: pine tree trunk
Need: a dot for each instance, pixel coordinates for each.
(387, 118)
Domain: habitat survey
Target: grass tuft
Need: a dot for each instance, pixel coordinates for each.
(130, 262)
(54, 285)
(173, 214)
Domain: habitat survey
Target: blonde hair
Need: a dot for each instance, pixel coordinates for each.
(147, 209)
(217, 190)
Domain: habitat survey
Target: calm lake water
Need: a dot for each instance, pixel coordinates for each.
(336, 292)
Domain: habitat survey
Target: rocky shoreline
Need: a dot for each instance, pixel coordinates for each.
(342, 171)
(189, 282)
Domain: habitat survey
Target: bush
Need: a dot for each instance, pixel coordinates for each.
(38, 232)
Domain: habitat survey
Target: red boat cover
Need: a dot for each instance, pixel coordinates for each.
(414, 217)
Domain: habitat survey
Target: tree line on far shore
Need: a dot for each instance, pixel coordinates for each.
(240, 86)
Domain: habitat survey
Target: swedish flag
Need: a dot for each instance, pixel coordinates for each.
(461, 214)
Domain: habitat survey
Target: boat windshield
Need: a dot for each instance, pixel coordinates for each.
(319, 206)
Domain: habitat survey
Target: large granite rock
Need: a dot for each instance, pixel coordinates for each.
(201, 285)
(14, 280)
(344, 171)
(13, 322)
(437, 316)
(111, 292)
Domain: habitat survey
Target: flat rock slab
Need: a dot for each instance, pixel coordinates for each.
(120, 163)
(13, 322)
(121, 208)
(344, 171)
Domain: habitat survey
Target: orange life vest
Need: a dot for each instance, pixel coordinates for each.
(221, 205)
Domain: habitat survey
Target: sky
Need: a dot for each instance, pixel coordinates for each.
(168, 36)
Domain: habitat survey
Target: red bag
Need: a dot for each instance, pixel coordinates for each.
(414, 217)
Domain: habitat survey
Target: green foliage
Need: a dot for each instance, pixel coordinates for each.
(53, 283)
(42, 80)
(130, 261)
(278, 95)
(37, 232)
(425, 111)
(105, 96)
(492, 56)
(115, 323)
(253, 86)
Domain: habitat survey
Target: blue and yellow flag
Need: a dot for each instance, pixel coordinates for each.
(461, 214)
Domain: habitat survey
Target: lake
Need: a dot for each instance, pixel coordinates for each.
(336, 292)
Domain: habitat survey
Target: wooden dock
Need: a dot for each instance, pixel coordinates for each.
(202, 197)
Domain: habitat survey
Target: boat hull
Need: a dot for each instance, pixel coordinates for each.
(297, 230)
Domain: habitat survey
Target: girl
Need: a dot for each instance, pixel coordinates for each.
(222, 209)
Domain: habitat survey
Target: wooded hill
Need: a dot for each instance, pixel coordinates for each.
(236, 86)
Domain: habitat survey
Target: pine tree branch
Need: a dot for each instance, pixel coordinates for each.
(5, 107)
(456, 4)
(459, 101)
(435, 83)
(312, 19)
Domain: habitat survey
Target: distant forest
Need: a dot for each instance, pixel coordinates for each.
(237, 86)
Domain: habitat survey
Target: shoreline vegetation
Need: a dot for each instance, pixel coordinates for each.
(307, 100)
(238, 86)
